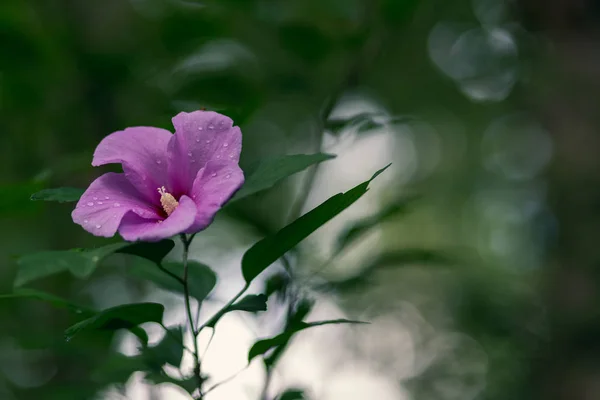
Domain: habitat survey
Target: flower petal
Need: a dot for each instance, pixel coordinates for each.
(200, 137)
(213, 187)
(134, 227)
(105, 202)
(143, 153)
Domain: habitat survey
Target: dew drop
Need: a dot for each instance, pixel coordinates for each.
(200, 128)
(106, 198)
(228, 176)
(190, 154)
(90, 204)
(214, 174)
(231, 156)
(218, 156)
(85, 221)
(100, 203)
(192, 161)
(207, 141)
(197, 140)
(211, 127)
(158, 161)
(95, 198)
(117, 205)
(98, 226)
(225, 144)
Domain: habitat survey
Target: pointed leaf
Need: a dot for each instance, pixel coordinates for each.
(120, 317)
(80, 263)
(269, 249)
(268, 172)
(62, 195)
(251, 303)
(264, 345)
(50, 298)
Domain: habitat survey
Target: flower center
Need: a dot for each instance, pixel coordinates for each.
(167, 201)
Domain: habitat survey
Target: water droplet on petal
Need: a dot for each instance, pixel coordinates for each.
(200, 128)
(90, 204)
(85, 221)
(98, 226)
(225, 144)
(95, 198)
(207, 141)
(197, 140)
(106, 198)
(190, 154)
(117, 205)
(214, 174)
(192, 161)
(158, 161)
(228, 176)
(218, 156)
(231, 156)
(211, 127)
(100, 203)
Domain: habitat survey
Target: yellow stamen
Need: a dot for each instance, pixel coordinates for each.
(168, 202)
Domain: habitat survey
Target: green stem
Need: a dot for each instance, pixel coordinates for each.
(186, 292)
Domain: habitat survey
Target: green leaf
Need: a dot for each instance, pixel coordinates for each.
(266, 173)
(80, 263)
(292, 394)
(120, 317)
(264, 345)
(62, 195)
(269, 249)
(168, 351)
(251, 303)
(154, 252)
(158, 378)
(117, 368)
(50, 298)
(399, 207)
(201, 279)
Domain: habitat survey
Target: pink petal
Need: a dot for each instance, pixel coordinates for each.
(103, 205)
(213, 187)
(143, 153)
(134, 227)
(200, 137)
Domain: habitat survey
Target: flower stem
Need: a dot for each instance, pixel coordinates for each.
(186, 292)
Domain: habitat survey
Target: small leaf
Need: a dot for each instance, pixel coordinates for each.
(266, 173)
(168, 351)
(159, 378)
(269, 249)
(292, 394)
(262, 346)
(361, 227)
(120, 317)
(62, 195)
(251, 303)
(50, 298)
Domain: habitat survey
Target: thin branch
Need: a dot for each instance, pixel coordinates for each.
(223, 310)
(186, 291)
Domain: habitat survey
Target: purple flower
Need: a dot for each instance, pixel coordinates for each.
(171, 183)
